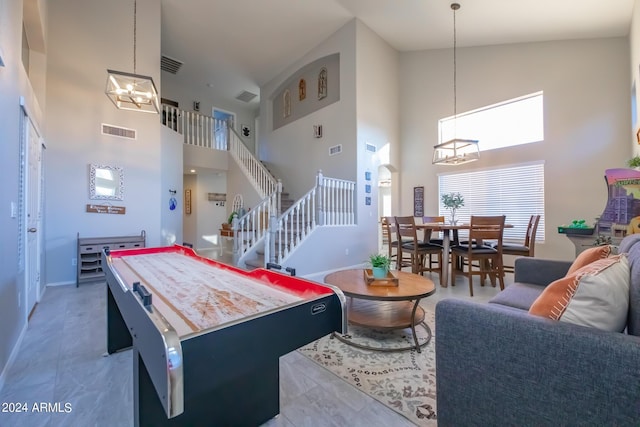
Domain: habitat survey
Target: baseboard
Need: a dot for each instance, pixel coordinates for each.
(13, 356)
(61, 283)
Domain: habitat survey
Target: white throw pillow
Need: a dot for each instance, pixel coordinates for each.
(596, 295)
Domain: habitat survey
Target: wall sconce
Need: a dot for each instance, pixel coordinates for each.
(317, 131)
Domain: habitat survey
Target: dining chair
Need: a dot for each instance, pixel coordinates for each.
(479, 259)
(389, 230)
(416, 249)
(428, 233)
(528, 247)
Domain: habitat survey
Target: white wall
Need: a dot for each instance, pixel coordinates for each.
(171, 180)
(14, 84)
(185, 92)
(587, 119)
(366, 113)
(83, 43)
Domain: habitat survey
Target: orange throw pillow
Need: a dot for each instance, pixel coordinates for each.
(597, 295)
(589, 256)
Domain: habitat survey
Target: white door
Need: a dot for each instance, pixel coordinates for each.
(33, 212)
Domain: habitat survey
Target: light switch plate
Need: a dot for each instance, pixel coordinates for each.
(14, 210)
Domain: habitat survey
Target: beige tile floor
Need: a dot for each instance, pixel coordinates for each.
(61, 359)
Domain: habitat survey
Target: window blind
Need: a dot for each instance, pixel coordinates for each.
(515, 191)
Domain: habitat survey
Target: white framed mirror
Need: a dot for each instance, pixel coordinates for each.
(106, 182)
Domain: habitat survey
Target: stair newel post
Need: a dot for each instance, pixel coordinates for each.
(270, 243)
(236, 237)
(279, 197)
(319, 196)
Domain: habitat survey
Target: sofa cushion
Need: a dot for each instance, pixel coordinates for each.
(596, 295)
(629, 245)
(518, 295)
(588, 256)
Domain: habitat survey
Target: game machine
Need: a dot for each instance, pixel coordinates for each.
(207, 337)
(621, 214)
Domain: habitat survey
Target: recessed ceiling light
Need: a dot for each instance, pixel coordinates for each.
(193, 171)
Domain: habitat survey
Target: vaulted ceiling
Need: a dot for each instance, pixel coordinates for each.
(229, 46)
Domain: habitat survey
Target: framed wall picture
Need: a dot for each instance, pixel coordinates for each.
(418, 201)
(187, 201)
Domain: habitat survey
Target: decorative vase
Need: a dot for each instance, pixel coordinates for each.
(453, 219)
(379, 272)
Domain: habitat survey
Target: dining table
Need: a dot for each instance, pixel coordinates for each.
(446, 229)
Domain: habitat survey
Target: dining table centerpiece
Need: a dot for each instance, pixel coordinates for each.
(453, 202)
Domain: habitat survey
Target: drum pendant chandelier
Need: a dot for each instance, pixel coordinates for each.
(456, 151)
(131, 91)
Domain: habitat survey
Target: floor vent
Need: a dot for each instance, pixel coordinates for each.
(246, 96)
(170, 65)
(336, 149)
(118, 131)
(370, 147)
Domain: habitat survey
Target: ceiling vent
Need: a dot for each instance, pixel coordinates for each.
(170, 65)
(118, 131)
(246, 96)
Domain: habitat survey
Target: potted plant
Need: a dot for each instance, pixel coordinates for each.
(634, 162)
(229, 223)
(380, 265)
(453, 201)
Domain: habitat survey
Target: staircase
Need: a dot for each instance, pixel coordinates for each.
(272, 230)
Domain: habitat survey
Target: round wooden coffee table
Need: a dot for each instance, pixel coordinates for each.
(384, 307)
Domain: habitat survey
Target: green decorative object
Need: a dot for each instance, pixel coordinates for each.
(634, 162)
(380, 265)
(233, 215)
(453, 201)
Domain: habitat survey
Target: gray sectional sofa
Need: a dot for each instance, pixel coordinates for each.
(497, 365)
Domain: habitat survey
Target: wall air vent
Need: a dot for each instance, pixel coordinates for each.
(120, 132)
(370, 147)
(246, 96)
(170, 65)
(336, 149)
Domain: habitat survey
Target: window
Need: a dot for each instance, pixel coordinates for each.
(513, 122)
(515, 191)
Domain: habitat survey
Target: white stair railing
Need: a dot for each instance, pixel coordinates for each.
(251, 228)
(198, 129)
(330, 203)
(262, 180)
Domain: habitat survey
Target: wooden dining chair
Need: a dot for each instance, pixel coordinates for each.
(529, 245)
(389, 229)
(417, 250)
(479, 259)
(428, 235)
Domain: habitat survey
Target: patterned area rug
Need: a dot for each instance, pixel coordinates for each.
(404, 381)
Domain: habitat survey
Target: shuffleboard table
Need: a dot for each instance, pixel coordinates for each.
(207, 337)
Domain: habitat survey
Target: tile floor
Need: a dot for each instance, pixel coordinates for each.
(62, 361)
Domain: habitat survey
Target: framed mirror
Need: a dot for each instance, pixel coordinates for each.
(106, 182)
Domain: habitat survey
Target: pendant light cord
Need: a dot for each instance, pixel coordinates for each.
(454, 7)
(135, 21)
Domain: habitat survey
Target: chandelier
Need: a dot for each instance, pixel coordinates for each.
(455, 151)
(131, 91)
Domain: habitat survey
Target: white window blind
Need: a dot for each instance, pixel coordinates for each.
(515, 191)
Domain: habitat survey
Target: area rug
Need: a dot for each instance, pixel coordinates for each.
(404, 381)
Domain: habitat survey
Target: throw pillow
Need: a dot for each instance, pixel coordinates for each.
(597, 295)
(588, 256)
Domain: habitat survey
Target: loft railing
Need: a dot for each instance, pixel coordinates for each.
(198, 129)
(205, 131)
(330, 203)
